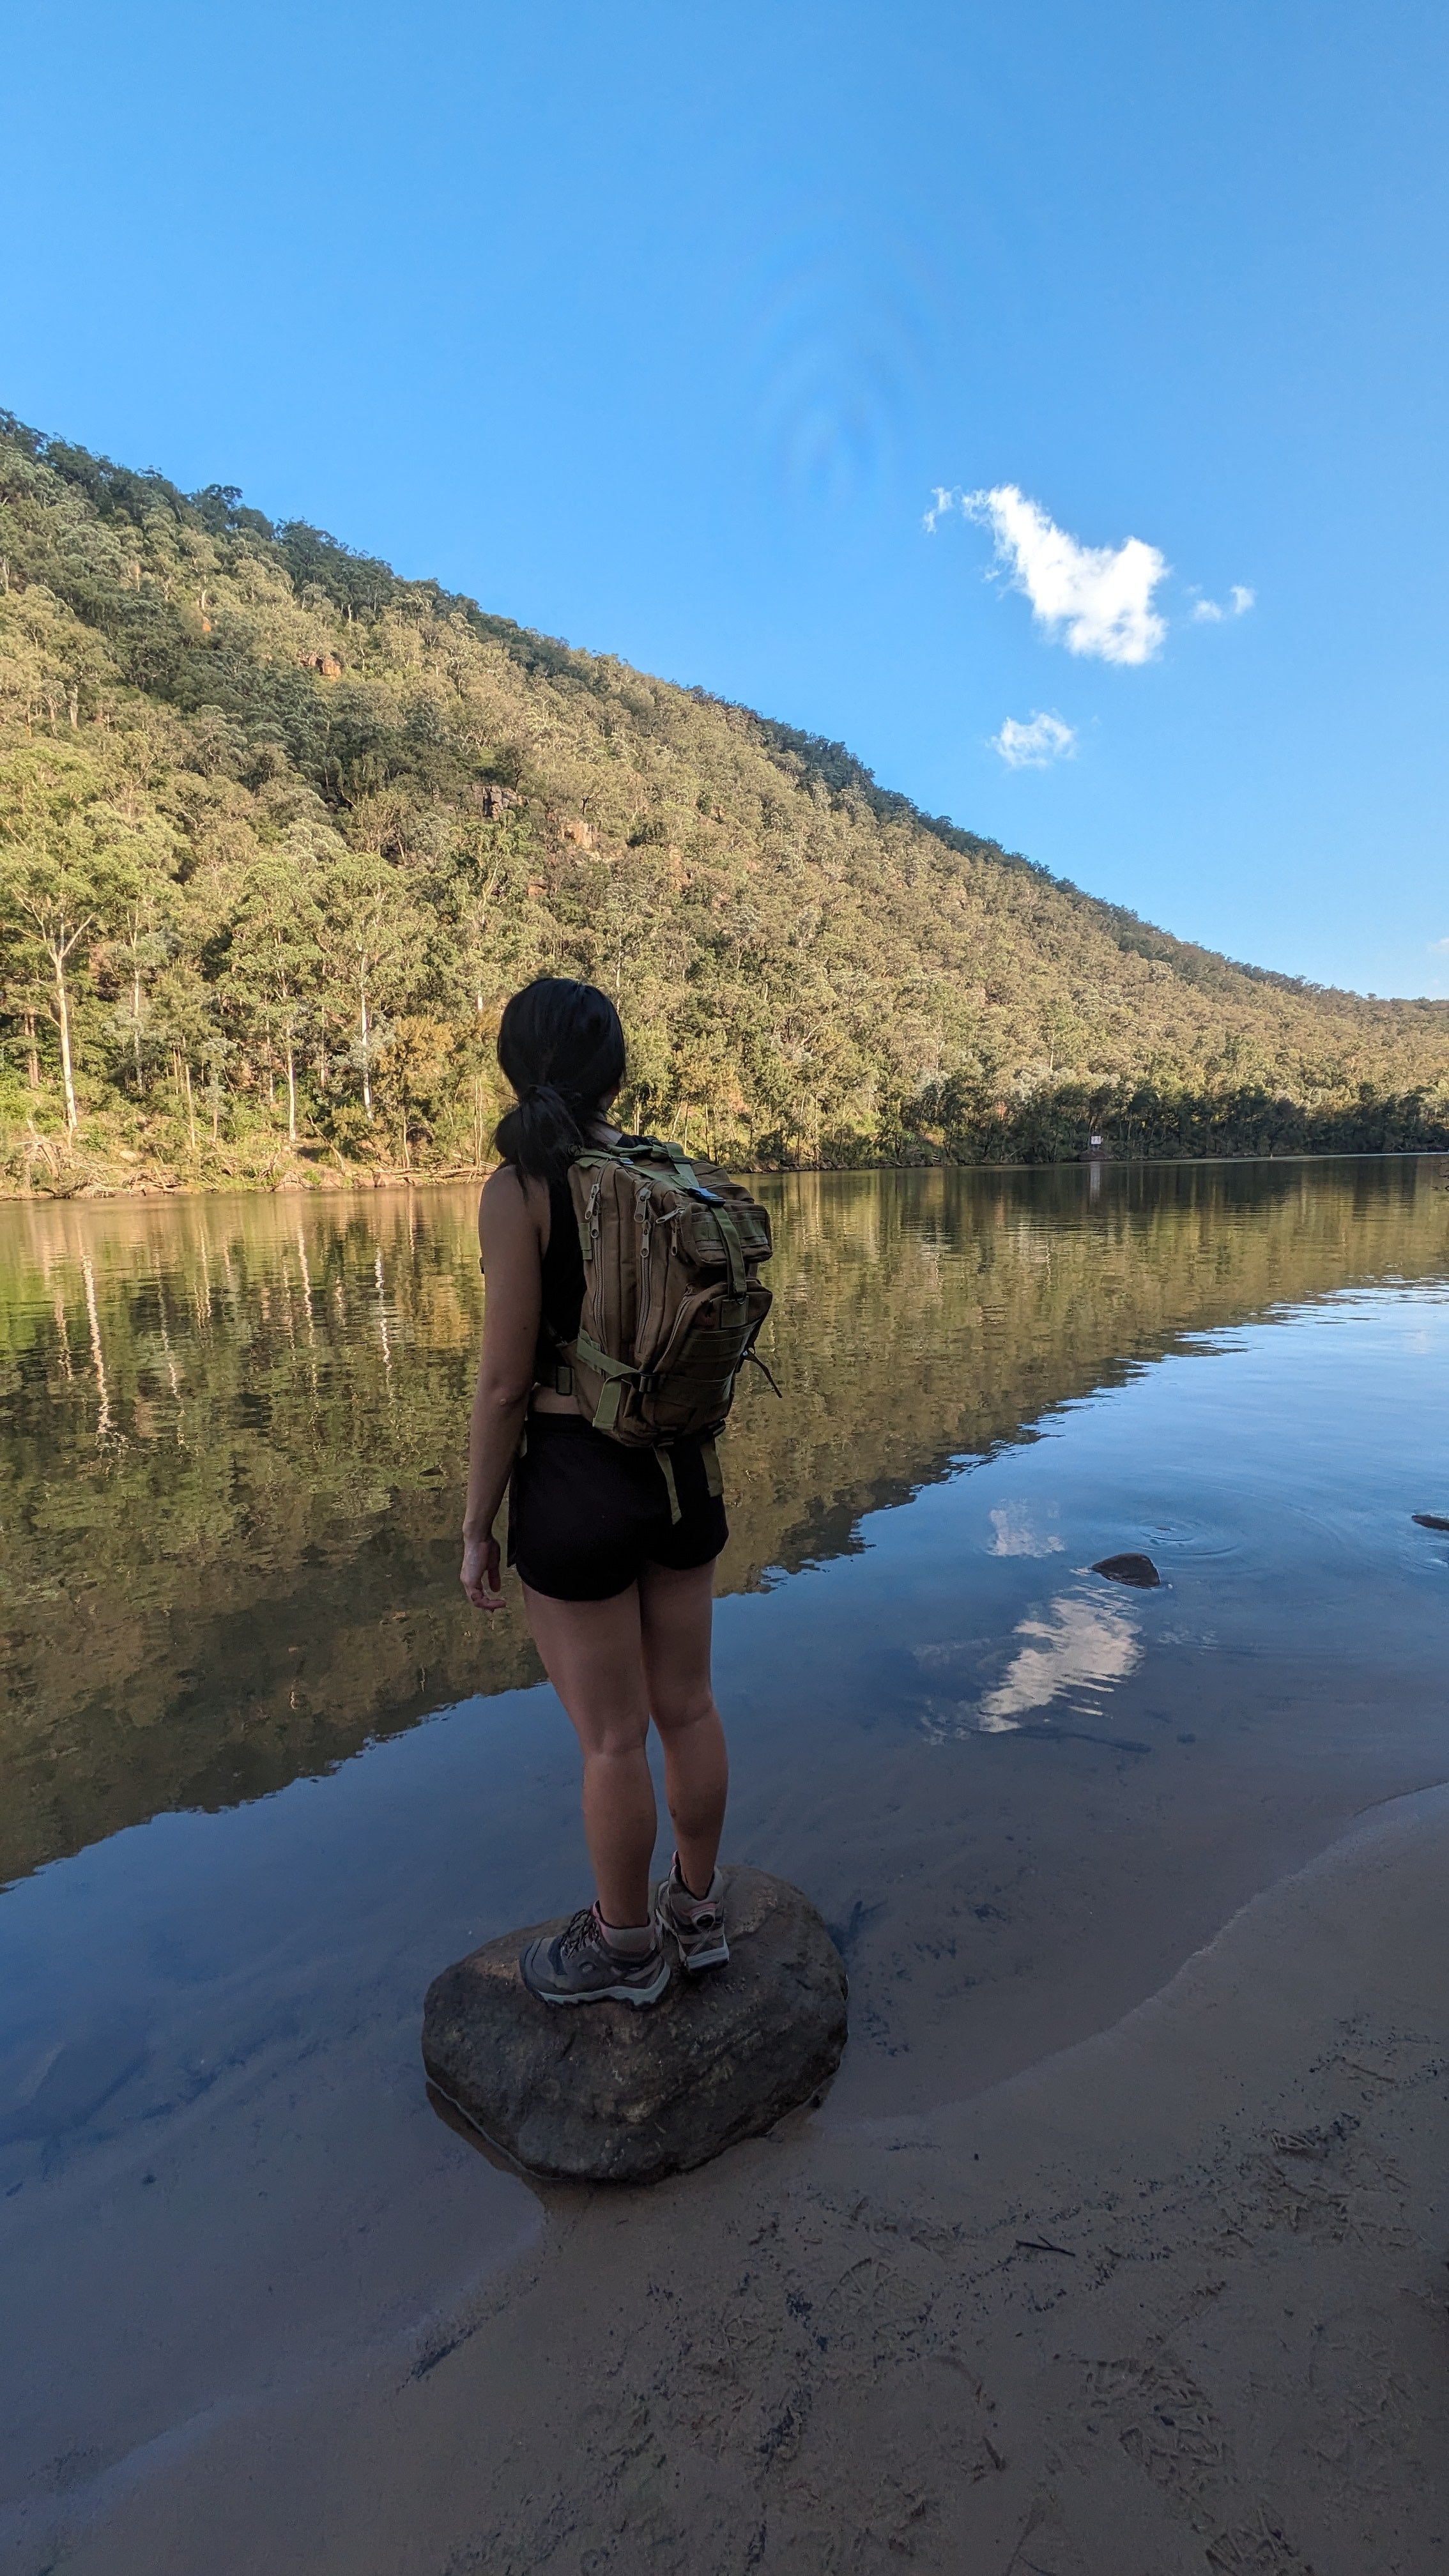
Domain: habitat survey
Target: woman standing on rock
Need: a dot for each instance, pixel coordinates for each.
(615, 1544)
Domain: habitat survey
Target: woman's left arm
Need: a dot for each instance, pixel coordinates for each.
(509, 1241)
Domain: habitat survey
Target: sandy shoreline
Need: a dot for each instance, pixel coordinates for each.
(1171, 2300)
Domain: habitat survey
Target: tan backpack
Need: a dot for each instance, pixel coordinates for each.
(673, 1300)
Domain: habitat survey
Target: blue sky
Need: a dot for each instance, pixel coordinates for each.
(659, 328)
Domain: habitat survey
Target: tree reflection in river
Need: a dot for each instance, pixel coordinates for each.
(232, 1432)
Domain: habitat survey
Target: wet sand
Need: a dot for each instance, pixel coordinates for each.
(1173, 2299)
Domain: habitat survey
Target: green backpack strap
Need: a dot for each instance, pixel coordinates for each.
(614, 1372)
(647, 1149)
(713, 1480)
(734, 1250)
(680, 1165)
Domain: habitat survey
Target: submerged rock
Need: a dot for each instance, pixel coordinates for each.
(611, 2093)
(1130, 1569)
(1432, 1520)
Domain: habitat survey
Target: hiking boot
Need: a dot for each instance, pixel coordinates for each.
(696, 1923)
(581, 1966)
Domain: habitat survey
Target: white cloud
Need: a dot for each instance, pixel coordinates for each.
(1034, 745)
(1209, 612)
(1440, 947)
(1098, 599)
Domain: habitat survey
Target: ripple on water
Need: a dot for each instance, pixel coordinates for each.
(1192, 1540)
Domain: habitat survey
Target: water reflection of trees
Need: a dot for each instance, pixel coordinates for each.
(231, 1432)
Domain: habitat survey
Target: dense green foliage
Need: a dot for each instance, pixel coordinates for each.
(279, 832)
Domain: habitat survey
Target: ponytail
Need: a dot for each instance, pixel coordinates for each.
(542, 1135)
(562, 1048)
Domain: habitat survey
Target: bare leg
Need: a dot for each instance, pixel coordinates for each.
(677, 1612)
(593, 1655)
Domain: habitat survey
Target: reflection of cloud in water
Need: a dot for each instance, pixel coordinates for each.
(1015, 1535)
(1080, 1645)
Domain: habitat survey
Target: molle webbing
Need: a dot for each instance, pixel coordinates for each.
(672, 1250)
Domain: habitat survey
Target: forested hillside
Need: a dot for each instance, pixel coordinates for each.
(280, 831)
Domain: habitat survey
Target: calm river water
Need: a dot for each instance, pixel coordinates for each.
(263, 1771)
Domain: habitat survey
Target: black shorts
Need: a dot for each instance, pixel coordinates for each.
(586, 1516)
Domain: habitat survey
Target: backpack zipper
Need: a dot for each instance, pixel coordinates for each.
(646, 1236)
(591, 1213)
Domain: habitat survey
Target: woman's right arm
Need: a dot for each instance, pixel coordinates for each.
(508, 1239)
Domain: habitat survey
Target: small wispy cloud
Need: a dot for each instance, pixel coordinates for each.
(1211, 612)
(1035, 744)
(1440, 947)
(1095, 599)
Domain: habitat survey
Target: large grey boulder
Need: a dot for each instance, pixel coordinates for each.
(610, 2093)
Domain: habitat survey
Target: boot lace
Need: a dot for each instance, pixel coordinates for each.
(582, 1934)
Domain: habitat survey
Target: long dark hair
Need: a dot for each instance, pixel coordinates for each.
(562, 1048)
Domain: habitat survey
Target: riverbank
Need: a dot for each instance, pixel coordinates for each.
(1174, 2298)
(330, 1176)
(1171, 2300)
(58, 1177)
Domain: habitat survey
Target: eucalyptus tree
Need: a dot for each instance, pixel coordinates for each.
(370, 941)
(50, 902)
(275, 958)
(141, 946)
(63, 881)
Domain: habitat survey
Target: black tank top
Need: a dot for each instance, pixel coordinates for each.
(563, 1267)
